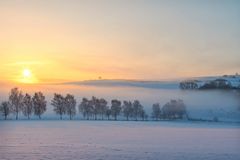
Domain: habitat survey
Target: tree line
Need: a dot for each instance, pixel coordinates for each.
(212, 84)
(91, 109)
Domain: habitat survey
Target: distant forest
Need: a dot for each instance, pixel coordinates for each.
(212, 84)
(90, 109)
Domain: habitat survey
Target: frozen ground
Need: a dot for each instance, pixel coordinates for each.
(96, 140)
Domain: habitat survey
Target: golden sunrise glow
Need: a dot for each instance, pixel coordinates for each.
(27, 76)
(55, 42)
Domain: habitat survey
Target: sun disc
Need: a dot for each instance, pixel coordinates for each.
(26, 73)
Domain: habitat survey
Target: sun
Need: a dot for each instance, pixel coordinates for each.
(27, 76)
(27, 73)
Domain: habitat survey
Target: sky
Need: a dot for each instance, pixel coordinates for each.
(51, 41)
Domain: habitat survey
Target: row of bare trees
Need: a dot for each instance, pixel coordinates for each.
(97, 107)
(27, 104)
(93, 108)
(64, 105)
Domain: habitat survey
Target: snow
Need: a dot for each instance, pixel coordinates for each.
(95, 140)
(233, 79)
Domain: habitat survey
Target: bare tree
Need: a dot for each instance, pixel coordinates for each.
(96, 106)
(85, 108)
(137, 108)
(181, 109)
(127, 109)
(175, 109)
(27, 108)
(58, 102)
(99, 106)
(39, 104)
(108, 113)
(70, 103)
(143, 114)
(102, 107)
(5, 109)
(156, 111)
(115, 108)
(16, 101)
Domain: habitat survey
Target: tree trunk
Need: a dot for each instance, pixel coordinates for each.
(17, 112)
(17, 116)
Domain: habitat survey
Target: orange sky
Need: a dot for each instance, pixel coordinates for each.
(60, 41)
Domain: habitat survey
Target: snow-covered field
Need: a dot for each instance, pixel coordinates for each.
(96, 140)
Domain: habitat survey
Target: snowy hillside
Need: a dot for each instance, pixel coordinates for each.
(216, 82)
(233, 80)
(130, 83)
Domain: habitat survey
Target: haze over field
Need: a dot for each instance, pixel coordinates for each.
(203, 104)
